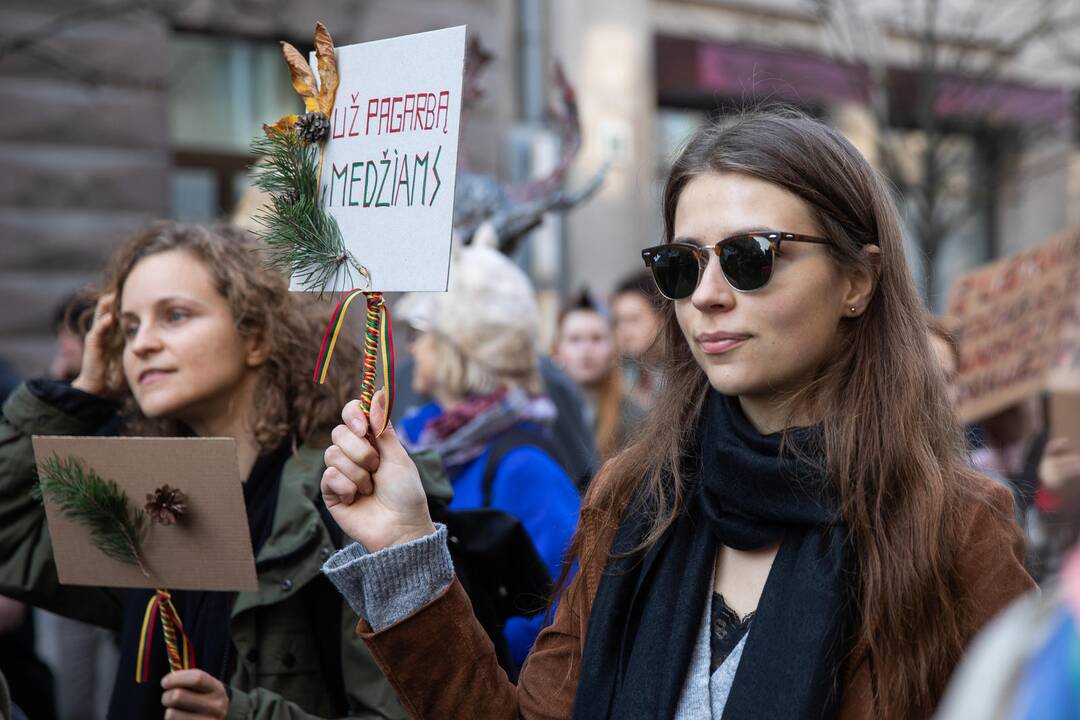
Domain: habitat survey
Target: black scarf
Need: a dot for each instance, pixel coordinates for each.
(205, 614)
(646, 615)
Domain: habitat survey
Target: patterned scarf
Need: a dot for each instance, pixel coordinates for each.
(462, 433)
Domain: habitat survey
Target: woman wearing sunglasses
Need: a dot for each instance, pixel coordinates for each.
(797, 534)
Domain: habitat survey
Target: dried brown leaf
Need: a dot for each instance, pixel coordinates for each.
(303, 80)
(286, 124)
(328, 70)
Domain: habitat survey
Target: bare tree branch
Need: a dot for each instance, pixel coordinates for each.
(968, 51)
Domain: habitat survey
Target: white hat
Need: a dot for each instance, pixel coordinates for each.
(489, 311)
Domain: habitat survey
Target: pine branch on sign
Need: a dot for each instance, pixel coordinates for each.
(302, 239)
(117, 526)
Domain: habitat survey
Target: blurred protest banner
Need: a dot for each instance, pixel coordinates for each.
(1019, 327)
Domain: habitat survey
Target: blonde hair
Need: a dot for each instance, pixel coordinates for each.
(459, 375)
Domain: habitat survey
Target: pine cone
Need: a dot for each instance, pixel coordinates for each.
(166, 505)
(313, 127)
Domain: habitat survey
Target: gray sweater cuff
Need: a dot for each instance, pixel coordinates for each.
(389, 585)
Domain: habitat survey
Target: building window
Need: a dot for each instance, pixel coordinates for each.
(221, 91)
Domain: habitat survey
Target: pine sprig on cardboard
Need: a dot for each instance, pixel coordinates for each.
(117, 526)
(303, 240)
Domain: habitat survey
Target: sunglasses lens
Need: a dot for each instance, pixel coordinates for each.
(747, 262)
(675, 270)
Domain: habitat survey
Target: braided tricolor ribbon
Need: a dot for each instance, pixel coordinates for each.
(378, 341)
(180, 654)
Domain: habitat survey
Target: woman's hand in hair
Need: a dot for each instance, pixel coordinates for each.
(1060, 465)
(91, 378)
(371, 485)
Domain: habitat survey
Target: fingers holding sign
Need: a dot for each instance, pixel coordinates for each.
(194, 695)
(353, 460)
(371, 485)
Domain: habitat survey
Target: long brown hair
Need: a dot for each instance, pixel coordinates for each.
(609, 414)
(287, 400)
(892, 446)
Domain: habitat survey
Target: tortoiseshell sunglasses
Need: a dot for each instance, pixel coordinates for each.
(746, 260)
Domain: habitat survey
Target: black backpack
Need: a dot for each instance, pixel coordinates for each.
(499, 568)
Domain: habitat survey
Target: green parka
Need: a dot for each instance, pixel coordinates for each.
(276, 674)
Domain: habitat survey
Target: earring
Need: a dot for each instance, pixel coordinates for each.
(854, 309)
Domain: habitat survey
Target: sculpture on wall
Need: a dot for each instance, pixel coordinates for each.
(515, 209)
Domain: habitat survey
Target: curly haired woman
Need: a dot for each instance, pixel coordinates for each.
(193, 335)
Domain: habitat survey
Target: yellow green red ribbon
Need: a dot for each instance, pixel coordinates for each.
(181, 655)
(378, 342)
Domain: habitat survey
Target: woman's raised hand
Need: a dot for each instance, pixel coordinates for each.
(91, 378)
(371, 485)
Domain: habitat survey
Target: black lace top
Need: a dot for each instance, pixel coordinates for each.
(727, 630)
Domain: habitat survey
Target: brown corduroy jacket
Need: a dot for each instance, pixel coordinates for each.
(443, 665)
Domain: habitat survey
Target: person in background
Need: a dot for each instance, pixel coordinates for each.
(635, 307)
(585, 349)
(946, 350)
(1053, 523)
(83, 658)
(1020, 455)
(8, 710)
(569, 431)
(9, 379)
(1009, 448)
(476, 355)
(1025, 665)
(68, 318)
(30, 680)
(1013, 441)
(58, 667)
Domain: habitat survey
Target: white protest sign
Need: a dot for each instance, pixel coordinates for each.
(390, 163)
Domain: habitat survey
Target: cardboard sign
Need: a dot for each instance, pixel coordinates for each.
(209, 549)
(1064, 413)
(1018, 323)
(390, 164)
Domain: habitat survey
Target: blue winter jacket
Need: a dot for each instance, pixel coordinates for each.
(529, 485)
